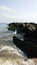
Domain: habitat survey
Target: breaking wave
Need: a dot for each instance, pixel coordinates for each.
(9, 53)
(11, 56)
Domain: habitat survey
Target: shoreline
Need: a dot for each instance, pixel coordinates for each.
(7, 40)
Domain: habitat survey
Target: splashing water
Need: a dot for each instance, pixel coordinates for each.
(11, 56)
(9, 53)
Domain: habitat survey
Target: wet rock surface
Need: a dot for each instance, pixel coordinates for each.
(29, 44)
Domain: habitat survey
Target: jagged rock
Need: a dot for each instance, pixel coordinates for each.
(29, 44)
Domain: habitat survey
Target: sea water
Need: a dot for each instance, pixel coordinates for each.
(9, 53)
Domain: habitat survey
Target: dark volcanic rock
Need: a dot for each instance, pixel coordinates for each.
(31, 30)
(29, 44)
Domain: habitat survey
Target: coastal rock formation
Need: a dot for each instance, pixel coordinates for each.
(29, 28)
(29, 42)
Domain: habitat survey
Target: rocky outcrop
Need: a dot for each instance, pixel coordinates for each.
(29, 44)
(29, 28)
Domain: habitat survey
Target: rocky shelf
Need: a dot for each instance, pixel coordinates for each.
(29, 43)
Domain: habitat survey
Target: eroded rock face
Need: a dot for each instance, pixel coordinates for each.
(31, 30)
(29, 44)
(24, 26)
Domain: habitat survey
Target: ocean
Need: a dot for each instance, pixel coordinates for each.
(9, 53)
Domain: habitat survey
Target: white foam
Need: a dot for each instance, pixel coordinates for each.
(15, 62)
(10, 50)
(8, 61)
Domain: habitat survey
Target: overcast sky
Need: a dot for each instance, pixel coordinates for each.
(18, 11)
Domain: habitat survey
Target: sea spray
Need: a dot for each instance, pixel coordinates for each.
(11, 56)
(9, 53)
